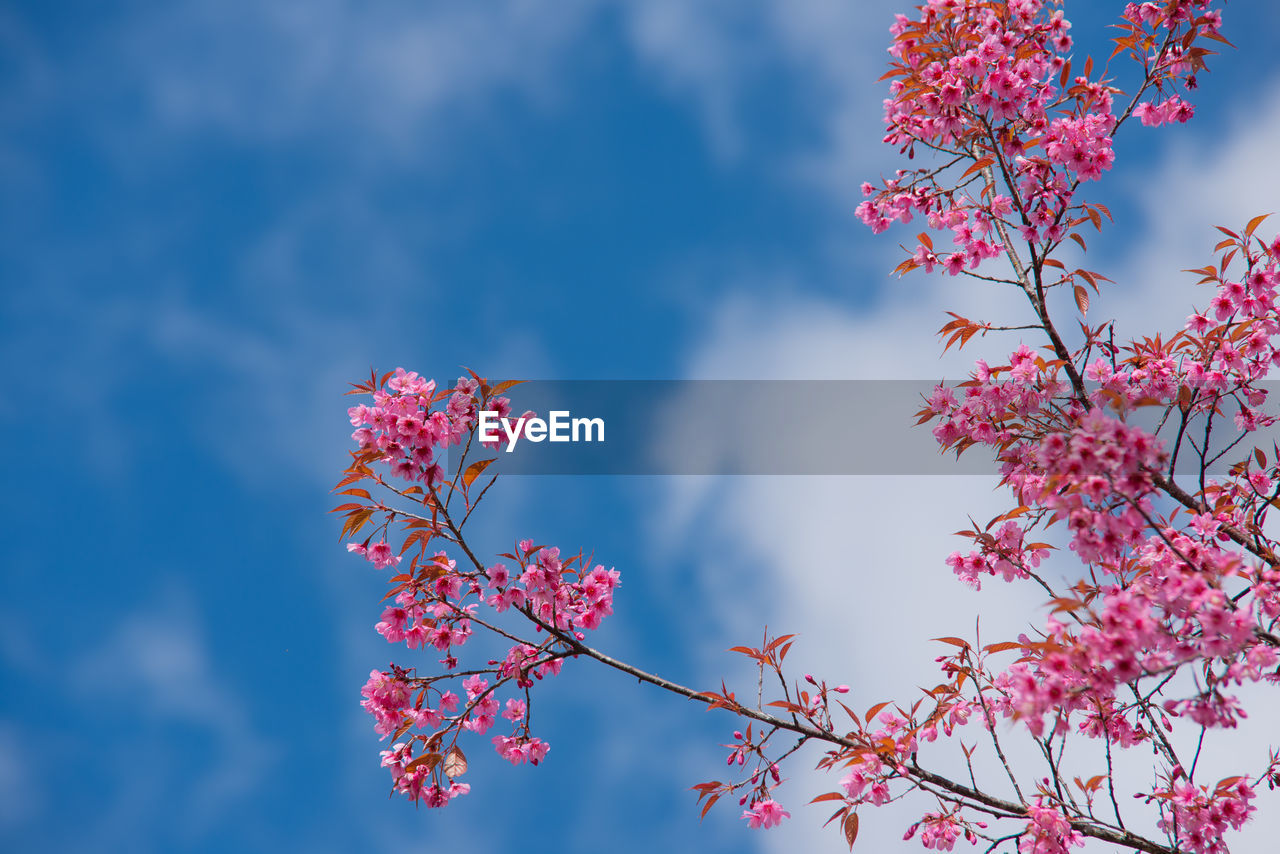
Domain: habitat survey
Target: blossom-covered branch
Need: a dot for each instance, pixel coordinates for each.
(1134, 453)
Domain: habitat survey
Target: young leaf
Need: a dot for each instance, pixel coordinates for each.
(851, 829)
(455, 763)
(474, 470)
(427, 759)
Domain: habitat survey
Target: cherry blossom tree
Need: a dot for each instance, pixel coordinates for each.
(1135, 455)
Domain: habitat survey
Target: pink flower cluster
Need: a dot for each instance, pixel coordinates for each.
(542, 589)
(402, 426)
(379, 554)
(517, 749)
(431, 609)
(1166, 605)
(407, 622)
(1083, 144)
(1198, 818)
(1170, 615)
(996, 69)
(990, 410)
(386, 697)
(1048, 831)
(765, 814)
(939, 832)
(436, 604)
(991, 80)
(1097, 475)
(1172, 109)
(1004, 553)
(868, 780)
(416, 782)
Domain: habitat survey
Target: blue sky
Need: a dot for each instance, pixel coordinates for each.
(217, 213)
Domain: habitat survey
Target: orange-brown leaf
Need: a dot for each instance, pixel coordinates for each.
(474, 471)
(851, 829)
(1253, 224)
(427, 759)
(978, 165)
(504, 385)
(1001, 647)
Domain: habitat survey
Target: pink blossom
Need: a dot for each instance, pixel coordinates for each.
(380, 555)
(765, 813)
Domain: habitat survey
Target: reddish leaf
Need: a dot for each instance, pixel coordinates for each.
(474, 470)
(427, 759)
(504, 385)
(851, 829)
(977, 166)
(1001, 647)
(413, 538)
(359, 493)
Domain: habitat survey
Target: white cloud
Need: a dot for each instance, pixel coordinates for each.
(701, 51)
(854, 565)
(393, 70)
(387, 80)
(723, 55)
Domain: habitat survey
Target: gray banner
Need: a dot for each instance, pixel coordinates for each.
(771, 427)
